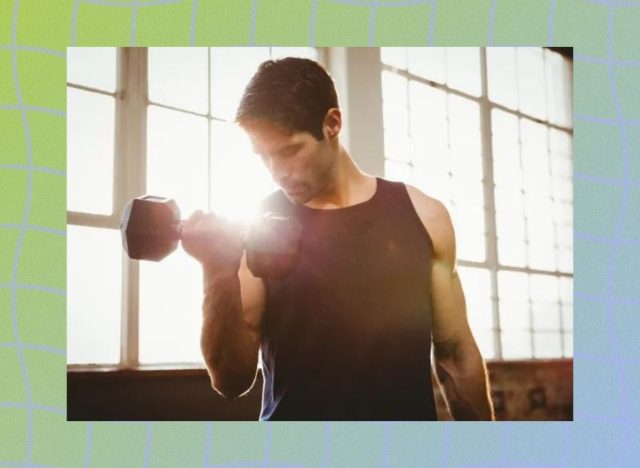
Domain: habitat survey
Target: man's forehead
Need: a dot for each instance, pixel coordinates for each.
(266, 139)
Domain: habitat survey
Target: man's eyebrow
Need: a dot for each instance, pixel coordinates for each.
(280, 150)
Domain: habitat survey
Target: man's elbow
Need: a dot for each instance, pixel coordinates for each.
(232, 387)
(459, 358)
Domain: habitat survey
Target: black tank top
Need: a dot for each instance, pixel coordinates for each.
(347, 334)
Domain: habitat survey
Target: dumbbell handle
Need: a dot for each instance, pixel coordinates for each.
(244, 234)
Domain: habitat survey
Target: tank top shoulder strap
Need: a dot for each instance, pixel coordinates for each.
(394, 196)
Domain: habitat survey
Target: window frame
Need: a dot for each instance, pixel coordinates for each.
(491, 263)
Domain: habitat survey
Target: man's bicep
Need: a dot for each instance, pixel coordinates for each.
(449, 324)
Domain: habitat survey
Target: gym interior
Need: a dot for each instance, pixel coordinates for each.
(487, 131)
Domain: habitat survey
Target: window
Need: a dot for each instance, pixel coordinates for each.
(489, 133)
(179, 143)
(93, 324)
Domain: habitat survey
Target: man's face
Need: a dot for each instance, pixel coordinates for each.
(299, 164)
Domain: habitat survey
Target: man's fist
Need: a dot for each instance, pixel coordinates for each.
(215, 243)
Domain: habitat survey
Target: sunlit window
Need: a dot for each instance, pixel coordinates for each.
(195, 154)
(432, 111)
(93, 298)
(93, 247)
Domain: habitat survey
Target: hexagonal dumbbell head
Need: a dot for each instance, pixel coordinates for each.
(150, 228)
(273, 246)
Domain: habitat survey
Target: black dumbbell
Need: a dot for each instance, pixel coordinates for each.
(151, 228)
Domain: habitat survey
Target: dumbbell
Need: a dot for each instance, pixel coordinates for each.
(151, 229)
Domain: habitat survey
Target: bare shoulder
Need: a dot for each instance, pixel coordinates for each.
(436, 219)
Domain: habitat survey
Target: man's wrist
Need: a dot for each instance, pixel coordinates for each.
(216, 278)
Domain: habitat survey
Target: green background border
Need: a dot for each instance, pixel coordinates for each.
(33, 40)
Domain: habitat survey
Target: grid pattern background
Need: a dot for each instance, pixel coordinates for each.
(33, 40)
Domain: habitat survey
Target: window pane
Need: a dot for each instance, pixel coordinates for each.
(542, 255)
(547, 345)
(511, 227)
(567, 317)
(559, 90)
(468, 193)
(464, 136)
(231, 70)
(561, 166)
(178, 77)
(484, 340)
(538, 187)
(90, 151)
(565, 260)
(561, 150)
(476, 284)
(436, 185)
(170, 310)
(564, 236)
(501, 68)
(534, 152)
(428, 63)
(177, 164)
(531, 90)
(394, 103)
(513, 293)
(560, 142)
(546, 316)
(562, 189)
(463, 69)
(516, 345)
(428, 118)
(394, 56)
(563, 213)
(468, 220)
(94, 265)
(544, 289)
(512, 251)
(397, 146)
(540, 234)
(566, 290)
(94, 67)
(506, 149)
(397, 171)
(567, 344)
(239, 179)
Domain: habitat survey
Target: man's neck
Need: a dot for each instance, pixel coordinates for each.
(348, 186)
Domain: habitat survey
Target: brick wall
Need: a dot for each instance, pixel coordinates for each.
(532, 390)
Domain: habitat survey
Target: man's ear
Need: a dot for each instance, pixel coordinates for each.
(332, 123)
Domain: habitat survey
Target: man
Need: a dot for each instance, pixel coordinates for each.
(347, 334)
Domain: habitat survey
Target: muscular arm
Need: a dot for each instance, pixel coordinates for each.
(459, 366)
(230, 340)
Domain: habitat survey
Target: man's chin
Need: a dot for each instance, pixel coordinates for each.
(299, 198)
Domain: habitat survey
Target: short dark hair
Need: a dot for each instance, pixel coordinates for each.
(294, 93)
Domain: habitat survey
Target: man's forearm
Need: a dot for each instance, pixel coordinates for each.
(463, 378)
(227, 343)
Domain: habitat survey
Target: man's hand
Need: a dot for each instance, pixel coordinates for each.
(216, 244)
